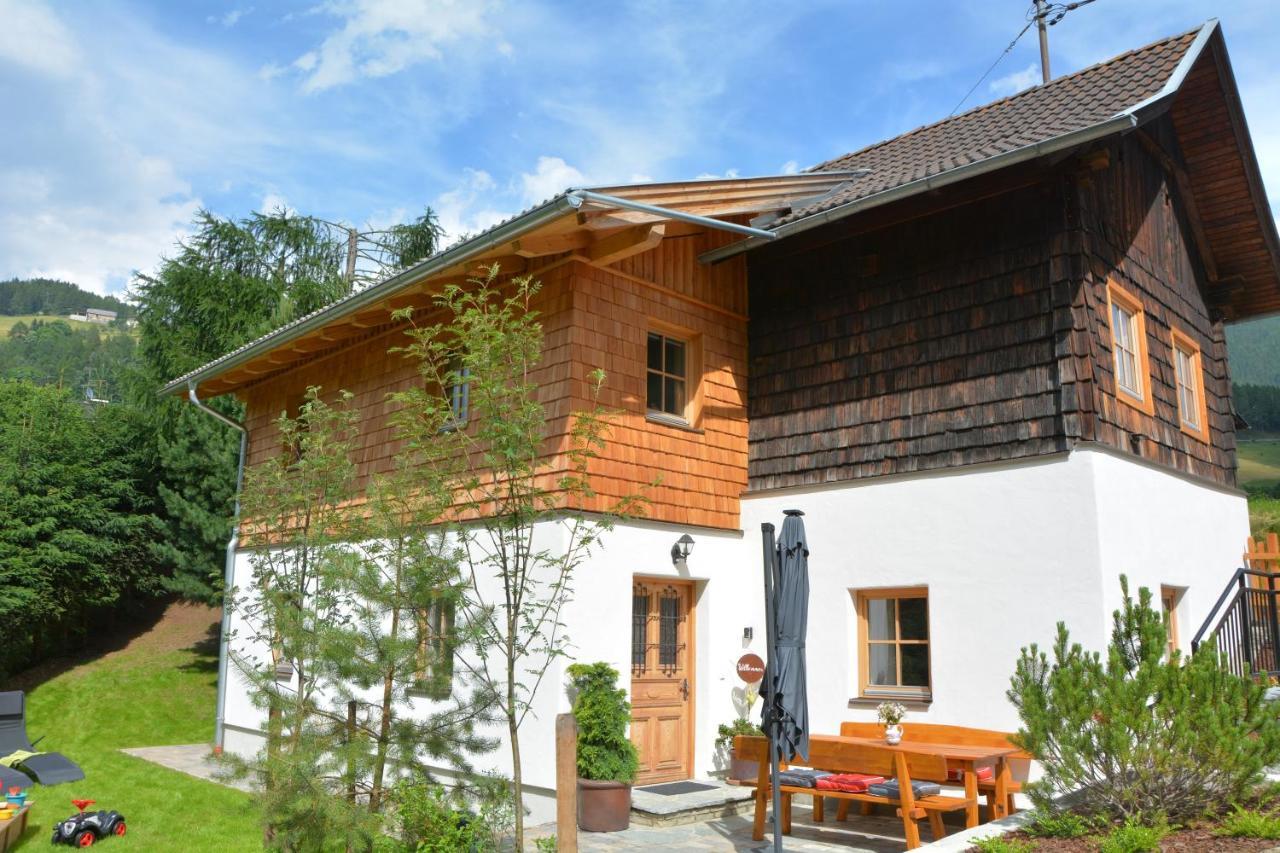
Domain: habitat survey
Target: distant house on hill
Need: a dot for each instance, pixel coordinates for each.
(99, 315)
(986, 358)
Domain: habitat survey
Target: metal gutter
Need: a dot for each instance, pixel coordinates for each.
(578, 196)
(552, 209)
(229, 568)
(1120, 122)
(1115, 124)
(1143, 110)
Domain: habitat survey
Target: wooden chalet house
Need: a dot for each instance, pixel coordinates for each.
(985, 357)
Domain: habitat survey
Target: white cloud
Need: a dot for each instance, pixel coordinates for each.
(551, 175)
(1017, 81)
(381, 37)
(230, 19)
(791, 167)
(34, 38)
(273, 201)
(468, 208)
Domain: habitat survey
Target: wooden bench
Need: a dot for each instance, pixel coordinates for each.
(837, 756)
(1019, 762)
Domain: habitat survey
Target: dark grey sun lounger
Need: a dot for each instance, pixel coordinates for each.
(10, 778)
(48, 768)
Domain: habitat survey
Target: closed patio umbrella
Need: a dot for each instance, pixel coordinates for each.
(785, 715)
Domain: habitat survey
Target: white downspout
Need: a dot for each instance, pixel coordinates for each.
(228, 574)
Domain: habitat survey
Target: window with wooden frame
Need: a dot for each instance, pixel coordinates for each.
(1130, 360)
(1188, 372)
(1169, 597)
(434, 662)
(672, 377)
(893, 643)
(459, 393)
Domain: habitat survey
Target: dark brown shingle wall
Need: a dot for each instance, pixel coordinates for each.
(922, 345)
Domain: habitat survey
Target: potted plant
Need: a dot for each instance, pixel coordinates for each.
(890, 715)
(607, 760)
(740, 769)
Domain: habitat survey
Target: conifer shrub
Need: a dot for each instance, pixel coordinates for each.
(605, 753)
(1136, 735)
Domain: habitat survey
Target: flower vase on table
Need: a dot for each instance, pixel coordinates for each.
(890, 715)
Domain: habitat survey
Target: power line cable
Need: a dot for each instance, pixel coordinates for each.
(1053, 13)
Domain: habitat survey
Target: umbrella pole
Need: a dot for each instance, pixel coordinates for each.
(771, 637)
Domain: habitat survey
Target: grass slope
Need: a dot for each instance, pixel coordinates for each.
(156, 690)
(1259, 463)
(7, 322)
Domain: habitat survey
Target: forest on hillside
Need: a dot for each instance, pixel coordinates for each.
(1253, 348)
(57, 298)
(113, 495)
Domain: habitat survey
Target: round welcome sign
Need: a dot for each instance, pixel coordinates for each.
(750, 668)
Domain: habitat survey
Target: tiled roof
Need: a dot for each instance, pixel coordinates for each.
(1074, 102)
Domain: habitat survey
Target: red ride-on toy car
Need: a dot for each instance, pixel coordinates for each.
(84, 828)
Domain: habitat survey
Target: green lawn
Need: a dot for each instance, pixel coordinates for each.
(158, 690)
(1259, 462)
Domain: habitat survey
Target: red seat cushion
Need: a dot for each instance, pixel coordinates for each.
(985, 774)
(849, 783)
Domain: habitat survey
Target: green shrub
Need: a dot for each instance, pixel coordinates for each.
(603, 714)
(430, 818)
(1137, 734)
(1001, 844)
(1249, 823)
(545, 845)
(1133, 838)
(1062, 824)
(740, 726)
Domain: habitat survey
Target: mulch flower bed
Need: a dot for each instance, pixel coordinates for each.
(1180, 841)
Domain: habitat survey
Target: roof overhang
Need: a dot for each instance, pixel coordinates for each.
(602, 223)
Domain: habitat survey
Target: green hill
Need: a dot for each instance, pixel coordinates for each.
(57, 298)
(1254, 348)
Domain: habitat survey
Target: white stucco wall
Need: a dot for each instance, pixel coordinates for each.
(1006, 550)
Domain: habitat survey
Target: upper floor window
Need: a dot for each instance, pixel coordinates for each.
(893, 642)
(459, 393)
(1188, 370)
(1129, 348)
(668, 378)
(434, 659)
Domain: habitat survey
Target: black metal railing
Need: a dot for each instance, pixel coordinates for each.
(1244, 623)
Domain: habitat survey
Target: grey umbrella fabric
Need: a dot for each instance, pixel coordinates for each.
(48, 768)
(787, 705)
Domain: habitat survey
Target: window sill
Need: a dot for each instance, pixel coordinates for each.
(672, 421)
(1143, 404)
(912, 701)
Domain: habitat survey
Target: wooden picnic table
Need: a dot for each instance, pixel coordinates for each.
(11, 830)
(966, 758)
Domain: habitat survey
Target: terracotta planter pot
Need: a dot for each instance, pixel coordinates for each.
(603, 806)
(742, 769)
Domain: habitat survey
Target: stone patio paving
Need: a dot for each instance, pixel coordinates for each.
(871, 834)
(193, 759)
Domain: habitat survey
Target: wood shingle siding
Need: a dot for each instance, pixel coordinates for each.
(921, 345)
(592, 317)
(1134, 231)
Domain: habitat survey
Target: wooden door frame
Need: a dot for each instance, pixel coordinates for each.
(691, 728)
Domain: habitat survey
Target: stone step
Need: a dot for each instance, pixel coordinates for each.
(649, 808)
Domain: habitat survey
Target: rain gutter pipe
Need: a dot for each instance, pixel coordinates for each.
(228, 574)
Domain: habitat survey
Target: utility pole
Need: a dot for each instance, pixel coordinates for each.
(1041, 13)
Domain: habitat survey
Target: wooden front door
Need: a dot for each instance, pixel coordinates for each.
(662, 678)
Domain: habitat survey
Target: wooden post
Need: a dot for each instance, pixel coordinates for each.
(566, 783)
(351, 736)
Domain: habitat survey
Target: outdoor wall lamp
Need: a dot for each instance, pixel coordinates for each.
(682, 549)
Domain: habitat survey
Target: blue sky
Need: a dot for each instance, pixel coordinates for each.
(121, 119)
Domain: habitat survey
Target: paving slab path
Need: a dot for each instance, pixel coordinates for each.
(195, 759)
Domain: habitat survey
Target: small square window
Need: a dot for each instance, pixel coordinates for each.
(893, 642)
(667, 376)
